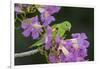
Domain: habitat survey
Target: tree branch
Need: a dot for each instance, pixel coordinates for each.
(28, 53)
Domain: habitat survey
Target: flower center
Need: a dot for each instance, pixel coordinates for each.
(63, 49)
(46, 39)
(75, 45)
(37, 26)
(46, 14)
(74, 40)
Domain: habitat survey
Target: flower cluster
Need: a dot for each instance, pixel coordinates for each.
(58, 48)
(19, 8)
(33, 25)
(70, 50)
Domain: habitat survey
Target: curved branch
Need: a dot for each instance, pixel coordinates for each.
(28, 53)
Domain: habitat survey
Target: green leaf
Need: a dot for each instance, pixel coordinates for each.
(37, 44)
(63, 27)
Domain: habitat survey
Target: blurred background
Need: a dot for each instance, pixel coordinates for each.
(81, 19)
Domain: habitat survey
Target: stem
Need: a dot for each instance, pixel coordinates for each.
(46, 56)
(28, 53)
(17, 18)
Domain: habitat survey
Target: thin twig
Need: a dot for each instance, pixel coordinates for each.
(28, 53)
